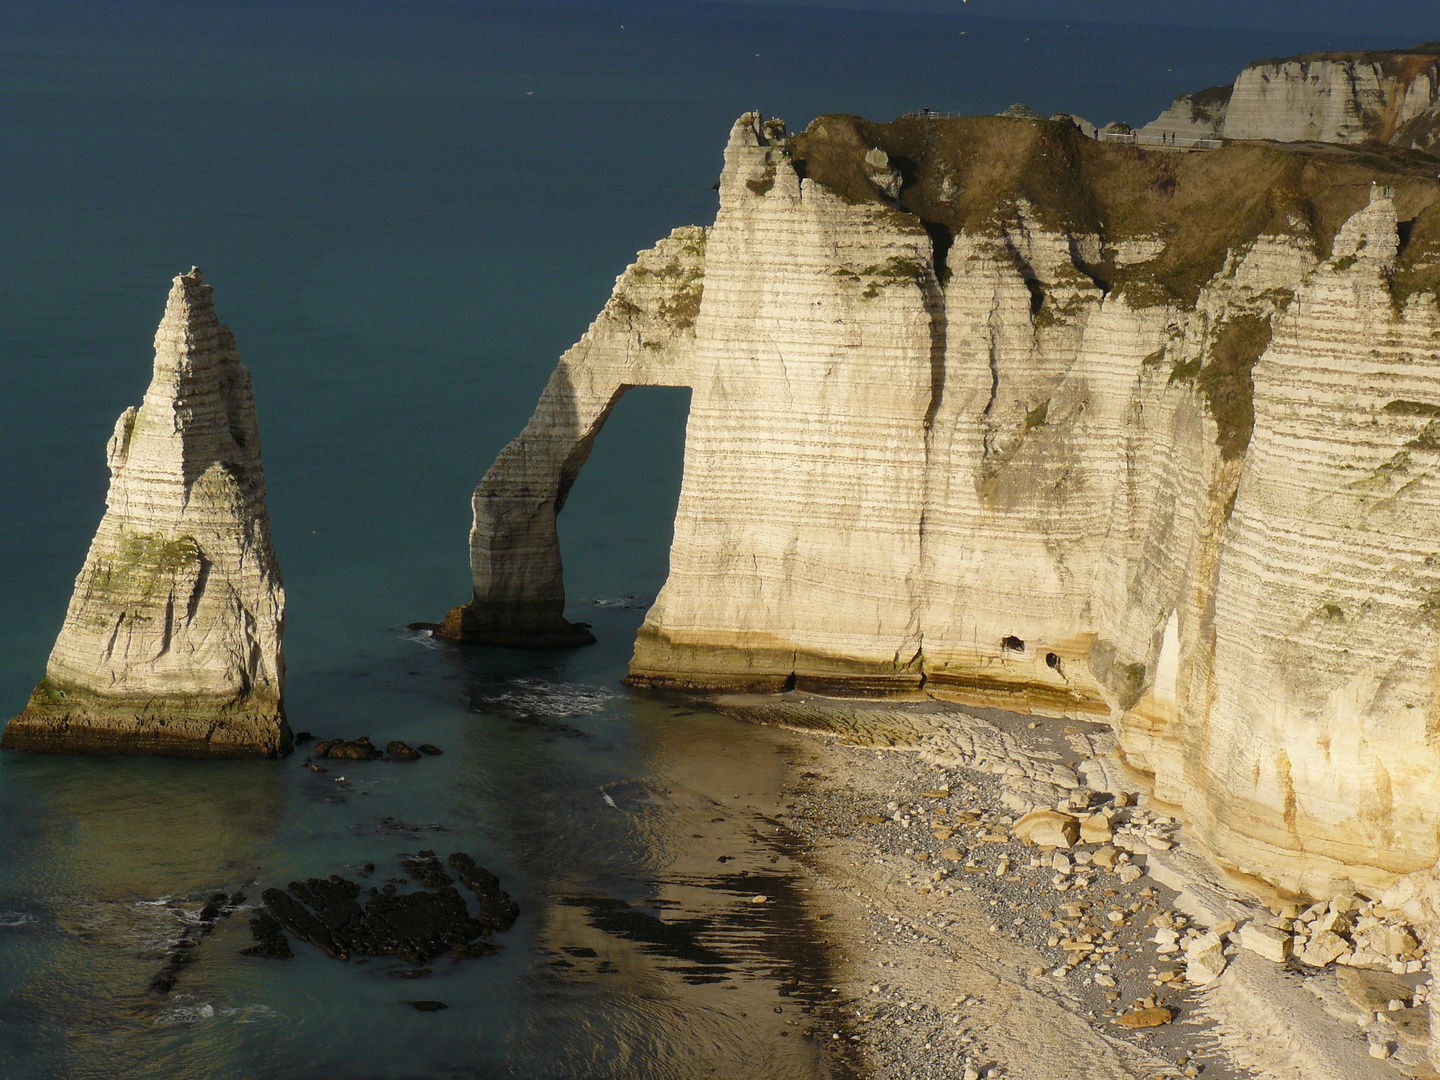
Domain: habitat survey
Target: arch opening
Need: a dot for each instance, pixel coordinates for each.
(619, 504)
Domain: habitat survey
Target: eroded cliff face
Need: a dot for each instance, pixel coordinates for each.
(987, 410)
(1353, 99)
(172, 641)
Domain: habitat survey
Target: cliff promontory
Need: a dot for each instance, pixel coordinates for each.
(990, 410)
(171, 644)
(1349, 98)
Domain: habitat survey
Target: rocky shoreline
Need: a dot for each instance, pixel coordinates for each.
(988, 935)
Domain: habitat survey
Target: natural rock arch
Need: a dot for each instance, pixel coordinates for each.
(645, 336)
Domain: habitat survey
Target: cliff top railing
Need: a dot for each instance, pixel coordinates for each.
(1164, 141)
(1179, 142)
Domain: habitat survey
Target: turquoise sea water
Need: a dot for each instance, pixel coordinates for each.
(408, 212)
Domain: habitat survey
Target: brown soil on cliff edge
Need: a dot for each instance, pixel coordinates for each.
(1393, 61)
(967, 174)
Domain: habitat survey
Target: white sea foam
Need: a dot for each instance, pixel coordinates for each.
(251, 1014)
(637, 603)
(11, 919)
(538, 697)
(426, 638)
(185, 1009)
(184, 1014)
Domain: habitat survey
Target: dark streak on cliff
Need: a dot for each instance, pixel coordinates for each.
(967, 173)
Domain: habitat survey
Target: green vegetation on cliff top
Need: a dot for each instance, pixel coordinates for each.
(968, 173)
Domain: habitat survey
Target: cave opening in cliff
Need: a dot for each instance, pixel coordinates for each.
(619, 516)
(1011, 643)
(941, 239)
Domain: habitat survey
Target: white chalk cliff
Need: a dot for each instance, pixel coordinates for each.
(1065, 427)
(172, 641)
(1378, 98)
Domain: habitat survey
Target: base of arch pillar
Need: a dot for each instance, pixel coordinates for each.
(471, 624)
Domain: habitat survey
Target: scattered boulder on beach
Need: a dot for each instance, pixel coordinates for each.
(429, 1006)
(1145, 1018)
(427, 748)
(1047, 828)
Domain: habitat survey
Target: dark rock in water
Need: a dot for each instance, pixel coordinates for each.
(401, 751)
(410, 973)
(361, 749)
(416, 926)
(270, 939)
(497, 910)
(181, 952)
(303, 737)
(474, 950)
(296, 917)
(426, 748)
(368, 868)
(403, 828)
(429, 1006)
(426, 870)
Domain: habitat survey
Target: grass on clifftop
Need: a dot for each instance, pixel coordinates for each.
(967, 173)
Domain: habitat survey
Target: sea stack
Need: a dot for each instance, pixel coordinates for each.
(172, 642)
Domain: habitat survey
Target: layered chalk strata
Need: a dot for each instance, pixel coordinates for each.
(172, 641)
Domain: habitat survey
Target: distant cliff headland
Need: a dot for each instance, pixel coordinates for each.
(990, 409)
(1350, 98)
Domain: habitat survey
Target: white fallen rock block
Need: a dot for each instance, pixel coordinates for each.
(1047, 828)
(1096, 829)
(1205, 959)
(1397, 942)
(1324, 948)
(1266, 941)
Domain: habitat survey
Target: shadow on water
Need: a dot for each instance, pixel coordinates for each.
(677, 939)
(652, 829)
(634, 833)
